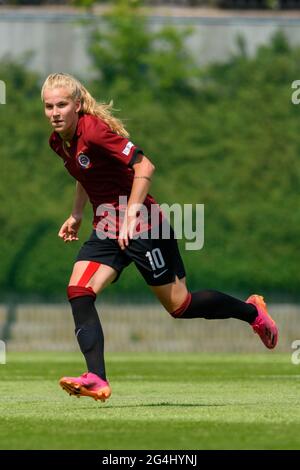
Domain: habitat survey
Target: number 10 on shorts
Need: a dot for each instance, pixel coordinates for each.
(156, 259)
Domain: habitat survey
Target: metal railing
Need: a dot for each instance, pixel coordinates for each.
(139, 327)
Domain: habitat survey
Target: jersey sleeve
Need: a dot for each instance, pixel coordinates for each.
(98, 134)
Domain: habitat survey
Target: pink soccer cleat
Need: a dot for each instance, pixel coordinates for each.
(263, 324)
(88, 385)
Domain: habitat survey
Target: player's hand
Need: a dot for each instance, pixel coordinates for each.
(126, 231)
(69, 229)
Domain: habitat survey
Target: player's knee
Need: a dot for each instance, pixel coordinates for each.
(182, 308)
(79, 291)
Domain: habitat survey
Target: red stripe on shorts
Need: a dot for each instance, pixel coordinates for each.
(88, 273)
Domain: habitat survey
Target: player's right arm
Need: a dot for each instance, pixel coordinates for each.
(69, 230)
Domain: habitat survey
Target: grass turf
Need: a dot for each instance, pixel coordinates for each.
(159, 401)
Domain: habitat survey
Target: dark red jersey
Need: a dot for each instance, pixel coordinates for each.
(101, 161)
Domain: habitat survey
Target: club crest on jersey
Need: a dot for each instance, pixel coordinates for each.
(84, 161)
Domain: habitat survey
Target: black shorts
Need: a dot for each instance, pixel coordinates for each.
(158, 260)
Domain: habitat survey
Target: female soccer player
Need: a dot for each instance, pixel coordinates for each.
(115, 175)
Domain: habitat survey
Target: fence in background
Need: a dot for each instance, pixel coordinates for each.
(139, 327)
(239, 4)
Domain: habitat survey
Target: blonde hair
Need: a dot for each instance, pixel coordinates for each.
(88, 104)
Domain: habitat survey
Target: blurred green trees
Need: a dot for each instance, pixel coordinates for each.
(129, 55)
(225, 136)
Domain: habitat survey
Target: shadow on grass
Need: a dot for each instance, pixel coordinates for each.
(150, 405)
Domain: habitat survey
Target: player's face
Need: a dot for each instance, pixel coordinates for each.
(61, 110)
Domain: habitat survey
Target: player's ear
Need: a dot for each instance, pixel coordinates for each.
(78, 106)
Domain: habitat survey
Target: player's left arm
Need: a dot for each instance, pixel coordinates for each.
(143, 170)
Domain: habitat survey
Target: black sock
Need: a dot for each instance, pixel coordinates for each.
(211, 304)
(89, 333)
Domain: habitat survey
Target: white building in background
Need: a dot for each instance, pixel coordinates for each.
(58, 39)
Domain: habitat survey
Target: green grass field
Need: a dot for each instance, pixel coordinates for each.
(159, 401)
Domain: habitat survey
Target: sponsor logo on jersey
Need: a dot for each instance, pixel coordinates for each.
(84, 161)
(127, 148)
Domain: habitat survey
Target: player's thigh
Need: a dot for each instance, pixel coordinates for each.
(171, 295)
(98, 280)
(104, 276)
